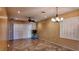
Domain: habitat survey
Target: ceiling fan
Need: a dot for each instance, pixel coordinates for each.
(30, 20)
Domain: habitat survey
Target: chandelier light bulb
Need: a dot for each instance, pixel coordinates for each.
(57, 19)
(62, 18)
(53, 20)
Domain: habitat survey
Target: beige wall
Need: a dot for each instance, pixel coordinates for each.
(3, 29)
(50, 31)
(70, 14)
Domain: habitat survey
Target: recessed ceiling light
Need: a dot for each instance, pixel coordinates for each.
(19, 12)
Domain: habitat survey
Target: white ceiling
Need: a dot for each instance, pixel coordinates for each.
(36, 12)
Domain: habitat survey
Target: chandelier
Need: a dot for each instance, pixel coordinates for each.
(57, 18)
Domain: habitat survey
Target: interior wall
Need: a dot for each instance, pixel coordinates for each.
(3, 29)
(50, 31)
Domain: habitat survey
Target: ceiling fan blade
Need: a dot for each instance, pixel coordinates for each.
(30, 20)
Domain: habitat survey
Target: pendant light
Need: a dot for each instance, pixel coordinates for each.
(57, 18)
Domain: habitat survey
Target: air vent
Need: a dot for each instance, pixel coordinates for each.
(43, 12)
